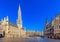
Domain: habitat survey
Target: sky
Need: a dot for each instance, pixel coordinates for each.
(34, 12)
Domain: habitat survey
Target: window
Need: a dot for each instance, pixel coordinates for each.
(59, 26)
(59, 19)
(46, 27)
(56, 21)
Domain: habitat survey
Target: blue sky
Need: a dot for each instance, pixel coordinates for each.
(34, 12)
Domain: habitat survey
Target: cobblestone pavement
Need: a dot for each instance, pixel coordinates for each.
(31, 39)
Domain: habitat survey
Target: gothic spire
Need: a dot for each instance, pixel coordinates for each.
(46, 21)
(19, 21)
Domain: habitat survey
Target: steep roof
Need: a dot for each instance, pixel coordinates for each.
(10, 23)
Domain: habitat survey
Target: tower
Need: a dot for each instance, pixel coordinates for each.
(7, 26)
(46, 21)
(19, 20)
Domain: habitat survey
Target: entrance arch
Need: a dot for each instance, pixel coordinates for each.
(3, 33)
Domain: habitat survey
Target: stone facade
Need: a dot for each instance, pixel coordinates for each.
(34, 33)
(53, 28)
(12, 30)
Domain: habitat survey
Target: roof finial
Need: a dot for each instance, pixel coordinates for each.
(19, 6)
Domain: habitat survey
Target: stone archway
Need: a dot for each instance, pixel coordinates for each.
(3, 33)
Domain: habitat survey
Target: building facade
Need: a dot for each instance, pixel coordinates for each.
(53, 29)
(34, 33)
(12, 30)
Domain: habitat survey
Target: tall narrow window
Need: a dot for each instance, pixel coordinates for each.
(59, 26)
